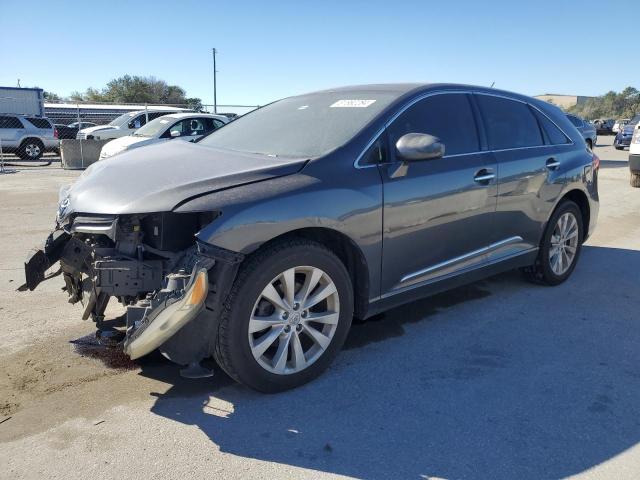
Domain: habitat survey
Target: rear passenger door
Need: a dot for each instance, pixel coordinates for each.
(526, 146)
(438, 214)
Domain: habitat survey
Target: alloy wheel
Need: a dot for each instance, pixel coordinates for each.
(294, 319)
(32, 150)
(564, 243)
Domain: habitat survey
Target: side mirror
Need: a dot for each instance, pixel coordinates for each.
(419, 146)
(174, 133)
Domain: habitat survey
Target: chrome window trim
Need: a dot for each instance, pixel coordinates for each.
(408, 105)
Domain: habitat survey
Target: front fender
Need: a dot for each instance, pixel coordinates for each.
(251, 215)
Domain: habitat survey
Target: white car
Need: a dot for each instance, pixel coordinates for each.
(619, 125)
(125, 124)
(181, 126)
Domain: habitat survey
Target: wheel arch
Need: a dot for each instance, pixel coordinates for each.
(579, 198)
(349, 254)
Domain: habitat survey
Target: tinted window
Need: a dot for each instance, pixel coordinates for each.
(575, 120)
(10, 122)
(218, 123)
(447, 116)
(554, 134)
(509, 123)
(39, 122)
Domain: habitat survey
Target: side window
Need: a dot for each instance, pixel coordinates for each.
(575, 120)
(177, 127)
(154, 115)
(218, 123)
(509, 123)
(447, 116)
(196, 126)
(10, 122)
(554, 134)
(138, 121)
(39, 122)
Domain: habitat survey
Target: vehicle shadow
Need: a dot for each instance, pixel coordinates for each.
(500, 379)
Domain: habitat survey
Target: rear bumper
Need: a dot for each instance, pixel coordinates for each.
(634, 163)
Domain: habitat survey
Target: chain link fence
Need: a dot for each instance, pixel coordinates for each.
(75, 132)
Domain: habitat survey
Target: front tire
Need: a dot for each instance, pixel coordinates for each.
(560, 247)
(31, 149)
(635, 180)
(286, 317)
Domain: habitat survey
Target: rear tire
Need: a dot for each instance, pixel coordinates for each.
(31, 149)
(251, 319)
(618, 148)
(635, 180)
(560, 246)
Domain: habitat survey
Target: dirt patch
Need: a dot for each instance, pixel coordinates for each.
(44, 368)
(65, 377)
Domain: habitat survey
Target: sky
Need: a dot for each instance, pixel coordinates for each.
(272, 49)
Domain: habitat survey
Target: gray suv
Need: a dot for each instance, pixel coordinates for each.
(28, 137)
(278, 229)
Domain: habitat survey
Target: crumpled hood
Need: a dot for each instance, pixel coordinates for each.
(158, 177)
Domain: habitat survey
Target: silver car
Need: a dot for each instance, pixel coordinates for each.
(28, 137)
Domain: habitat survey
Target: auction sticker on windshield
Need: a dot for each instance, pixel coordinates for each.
(352, 103)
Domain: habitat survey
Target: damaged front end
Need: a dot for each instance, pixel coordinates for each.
(171, 284)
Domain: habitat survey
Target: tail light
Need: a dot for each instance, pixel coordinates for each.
(595, 162)
(55, 133)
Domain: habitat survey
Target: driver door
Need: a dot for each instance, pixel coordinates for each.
(438, 213)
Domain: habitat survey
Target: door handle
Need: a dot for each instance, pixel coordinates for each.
(484, 176)
(552, 163)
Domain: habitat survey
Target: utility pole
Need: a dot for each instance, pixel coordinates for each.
(215, 99)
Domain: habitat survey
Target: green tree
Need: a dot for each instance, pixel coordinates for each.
(610, 105)
(137, 89)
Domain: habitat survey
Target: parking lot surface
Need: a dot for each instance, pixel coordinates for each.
(499, 379)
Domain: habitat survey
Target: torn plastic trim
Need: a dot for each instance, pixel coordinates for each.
(40, 260)
(171, 318)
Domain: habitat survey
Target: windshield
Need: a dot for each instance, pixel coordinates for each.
(634, 120)
(122, 119)
(305, 126)
(155, 127)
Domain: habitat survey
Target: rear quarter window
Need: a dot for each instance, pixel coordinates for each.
(555, 136)
(39, 122)
(509, 123)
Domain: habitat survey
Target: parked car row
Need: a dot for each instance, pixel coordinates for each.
(183, 126)
(31, 136)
